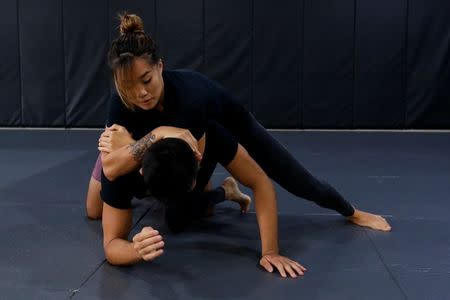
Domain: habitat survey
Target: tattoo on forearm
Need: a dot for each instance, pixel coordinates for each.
(138, 148)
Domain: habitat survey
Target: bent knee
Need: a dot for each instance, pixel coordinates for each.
(94, 210)
(94, 214)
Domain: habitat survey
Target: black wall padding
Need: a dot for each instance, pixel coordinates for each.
(380, 58)
(10, 98)
(42, 64)
(293, 63)
(428, 68)
(328, 64)
(180, 33)
(228, 39)
(276, 62)
(86, 30)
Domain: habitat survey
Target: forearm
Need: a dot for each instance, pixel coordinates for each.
(121, 252)
(118, 163)
(266, 213)
(127, 158)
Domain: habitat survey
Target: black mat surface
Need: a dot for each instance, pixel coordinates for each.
(50, 250)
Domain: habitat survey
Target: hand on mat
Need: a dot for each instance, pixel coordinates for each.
(113, 138)
(180, 133)
(283, 264)
(148, 243)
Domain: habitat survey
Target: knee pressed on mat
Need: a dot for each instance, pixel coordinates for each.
(94, 214)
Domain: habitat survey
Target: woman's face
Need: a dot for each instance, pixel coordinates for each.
(145, 85)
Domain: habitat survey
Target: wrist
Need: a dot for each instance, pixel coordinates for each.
(154, 135)
(131, 141)
(137, 149)
(157, 133)
(270, 252)
(136, 251)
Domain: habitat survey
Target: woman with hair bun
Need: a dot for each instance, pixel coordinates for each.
(153, 104)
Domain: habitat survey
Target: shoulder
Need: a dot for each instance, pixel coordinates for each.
(186, 75)
(115, 106)
(190, 80)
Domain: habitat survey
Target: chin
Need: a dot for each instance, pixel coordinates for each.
(148, 106)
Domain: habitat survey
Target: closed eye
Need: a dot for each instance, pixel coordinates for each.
(147, 81)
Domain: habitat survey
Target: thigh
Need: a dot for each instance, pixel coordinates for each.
(204, 176)
(97, 171)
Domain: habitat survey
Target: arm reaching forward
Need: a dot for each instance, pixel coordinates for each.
(250, 174)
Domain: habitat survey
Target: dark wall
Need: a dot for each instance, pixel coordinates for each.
(294, 64)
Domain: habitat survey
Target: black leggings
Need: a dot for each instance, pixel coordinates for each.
(278, 163)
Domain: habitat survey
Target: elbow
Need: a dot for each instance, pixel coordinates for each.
(110, 174)
(108, 169)
(109, 260)
(109, 255)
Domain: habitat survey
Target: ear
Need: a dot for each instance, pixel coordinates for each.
(160, 65)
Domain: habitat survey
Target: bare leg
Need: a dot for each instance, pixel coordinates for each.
(366, 219)
(233, 193)
(94, 203)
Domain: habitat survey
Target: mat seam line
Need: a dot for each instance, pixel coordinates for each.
(391, 275)
(75, 291)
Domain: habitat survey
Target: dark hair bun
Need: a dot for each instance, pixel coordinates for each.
(130, 23)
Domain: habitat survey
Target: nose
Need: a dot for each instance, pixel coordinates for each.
(142, 92)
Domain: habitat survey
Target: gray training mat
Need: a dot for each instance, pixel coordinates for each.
(50, 250)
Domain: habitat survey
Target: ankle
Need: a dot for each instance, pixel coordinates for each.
(356, 214)
(226, 192)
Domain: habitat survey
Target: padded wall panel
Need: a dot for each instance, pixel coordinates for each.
(180, 33)
(428, 67)
(41, 56)
(379, 64)
(328, 64)
(228, 37)
(86, 30)
(277, 57)
(387, 66)
(10, 95)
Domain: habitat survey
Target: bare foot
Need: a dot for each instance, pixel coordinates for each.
(366, 219)
(233, 193)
